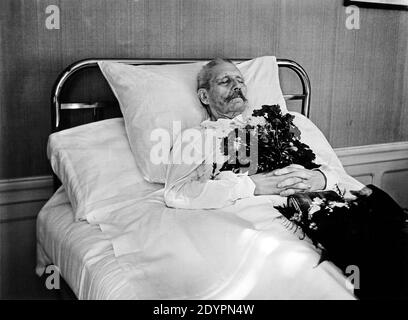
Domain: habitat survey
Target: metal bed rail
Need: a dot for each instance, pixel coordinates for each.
(57, 105)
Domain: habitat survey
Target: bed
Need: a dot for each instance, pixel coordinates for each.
(137, 248)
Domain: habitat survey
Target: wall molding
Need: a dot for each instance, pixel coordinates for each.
(384, 165)
(22, 198)
(372, 162)
(373, 153)
(28, 189)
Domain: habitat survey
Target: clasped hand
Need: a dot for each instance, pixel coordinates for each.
(289, 180)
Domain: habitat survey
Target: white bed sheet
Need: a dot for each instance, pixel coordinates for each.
(283, 269)
(81, 251)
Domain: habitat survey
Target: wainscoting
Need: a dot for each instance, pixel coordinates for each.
(384, 165)
(20, 202)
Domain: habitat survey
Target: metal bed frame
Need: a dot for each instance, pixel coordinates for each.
(57, 105)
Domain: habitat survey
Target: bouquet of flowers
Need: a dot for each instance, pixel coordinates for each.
(268, 140)
(367, 231)
(328, 220)
(341, 227)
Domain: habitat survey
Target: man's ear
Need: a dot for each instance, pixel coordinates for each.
(203, 96)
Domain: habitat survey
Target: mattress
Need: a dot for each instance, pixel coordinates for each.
(85, 256)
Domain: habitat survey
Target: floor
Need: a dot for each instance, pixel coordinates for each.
(34, 289)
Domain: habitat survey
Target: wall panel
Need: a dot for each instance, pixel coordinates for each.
(359, 77)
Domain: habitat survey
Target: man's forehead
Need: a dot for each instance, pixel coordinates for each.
(225, 69)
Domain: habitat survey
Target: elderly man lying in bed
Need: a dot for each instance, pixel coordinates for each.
(223, 92)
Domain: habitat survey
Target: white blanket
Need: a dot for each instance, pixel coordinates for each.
(240, 252)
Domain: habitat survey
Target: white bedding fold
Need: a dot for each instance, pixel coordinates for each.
(244, 251)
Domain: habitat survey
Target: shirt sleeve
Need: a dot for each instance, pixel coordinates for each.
(331, 177)
(330, 165)
(190, 185)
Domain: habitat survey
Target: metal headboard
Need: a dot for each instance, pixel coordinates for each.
(57, 106)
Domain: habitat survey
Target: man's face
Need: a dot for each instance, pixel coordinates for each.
(226, 97)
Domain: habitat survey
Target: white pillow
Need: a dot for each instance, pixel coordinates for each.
(156, 96)
(96, 166)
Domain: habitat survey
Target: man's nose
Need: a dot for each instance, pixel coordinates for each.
(237, 86)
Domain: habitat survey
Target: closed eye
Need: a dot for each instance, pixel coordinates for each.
(224, 81)
(228, 80)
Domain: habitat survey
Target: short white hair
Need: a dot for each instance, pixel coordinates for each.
(205, 74)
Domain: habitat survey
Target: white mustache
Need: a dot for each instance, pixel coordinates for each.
(236, 94)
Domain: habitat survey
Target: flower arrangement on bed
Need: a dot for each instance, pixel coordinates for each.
(277, 142)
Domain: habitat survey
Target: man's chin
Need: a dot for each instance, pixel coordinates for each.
(237, 105)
